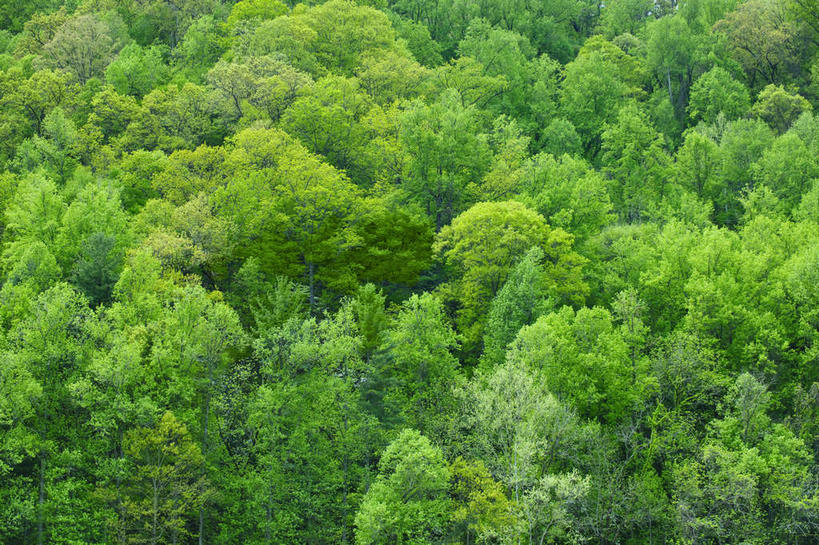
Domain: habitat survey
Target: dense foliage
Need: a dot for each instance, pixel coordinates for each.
(409, 272)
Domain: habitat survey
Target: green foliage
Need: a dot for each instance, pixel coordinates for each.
(137, 70)
(483, 244)
(592, 93)
(633, 155)
(779, 108)
(83, 46)
(446, 151)
(423, 370)
(247, 248)
(583, 358)
(717, 92)
(520, 301)
(163, 485)
(407, 503)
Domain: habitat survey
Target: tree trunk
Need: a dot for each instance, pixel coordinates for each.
(205, 418)
(311, 276)
(41, 500)
(155, 525)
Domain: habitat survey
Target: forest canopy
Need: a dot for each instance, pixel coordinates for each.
(409, 272)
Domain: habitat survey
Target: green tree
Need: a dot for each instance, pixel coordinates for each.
(481, 510)
(255, 9)
(698, 163)
(34, 214)
(592, 94)
(582, 357)
(408, 501)
(779, 108)
(417, 353)
(97, 268)
(483, 244)
(520, 301)
(328, 118)
(447, 151)
(190, 358)
(164, 485)
(762, 40)
(717, 92)
(787, 168)
(282, 196)
(742, 143)
(676, 57)
(83, 46)
(137, 71)
(50, 343)
(634, 157)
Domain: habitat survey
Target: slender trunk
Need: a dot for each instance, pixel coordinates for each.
(346, 471)
(268, 537)
(668, 80)
(118, 480)
(311, 275)
(155, 525)
(269, 520)
(41, 500)
(205, 418)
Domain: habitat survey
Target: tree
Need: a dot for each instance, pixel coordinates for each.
(522, 433)
(408, 501)
(166, 20)
(717, 92)
(328, 118)
(347, 33)
(634, 157)
(50, 343)
(35, 272)
(762, 40)
(742, 143)
(32, 98)
(328, 38)
(418, 353)
(83, 46)
(697, 165)
(137, 71)
(481, 510)
(569, 193)
(56, 149)
(591, 96)
(245, 10)
(779, 108)
(191, 357)
(625, 16)
(97, 268)
(34, 214)
(96, 209)
(164, 485)
(560, 137)
(174, 117)
(19, 394)
(310, 453)
(552, 506)
(583, 358)
(396, 241)
(520, 301)
(482, 245)
(282, 196)
(447, 151)
(787, 168)
(675, 56)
